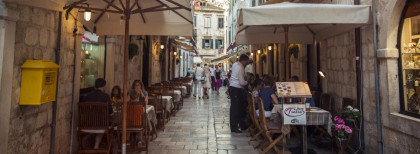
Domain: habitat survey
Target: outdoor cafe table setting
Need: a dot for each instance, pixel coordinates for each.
(167, 103)
(298, 114)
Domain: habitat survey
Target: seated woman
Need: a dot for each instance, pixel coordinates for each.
(268, 96)
(139, 86)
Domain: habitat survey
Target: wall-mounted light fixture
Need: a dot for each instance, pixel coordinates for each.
(175, 53)
(180, 56)
(259, 51)
(162, 46)
(252, 54)
(87, 14)
(322, 74)
(270, 47)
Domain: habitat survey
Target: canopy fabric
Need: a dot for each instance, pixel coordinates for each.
(184, 46)
(155, 17)
(306, 22)
(197, 60)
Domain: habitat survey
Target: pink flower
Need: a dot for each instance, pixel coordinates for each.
(341, 121)
(348, 130)
(336, 118)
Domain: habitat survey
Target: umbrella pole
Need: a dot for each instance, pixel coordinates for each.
(125, 84)
(286, 51)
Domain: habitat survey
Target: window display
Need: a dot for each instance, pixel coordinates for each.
(92, 61)
(410, 64)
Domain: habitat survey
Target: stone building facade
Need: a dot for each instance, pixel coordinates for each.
(209, 28)
(32, 33)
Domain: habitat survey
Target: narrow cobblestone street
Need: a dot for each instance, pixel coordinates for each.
(201, 126)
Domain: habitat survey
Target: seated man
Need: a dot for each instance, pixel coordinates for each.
(268, 96)
(99, 95)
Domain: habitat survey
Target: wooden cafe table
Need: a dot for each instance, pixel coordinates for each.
(315, 116)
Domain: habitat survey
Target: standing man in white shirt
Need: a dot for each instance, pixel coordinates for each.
(213, 80)
(198, 73)
(238, 101)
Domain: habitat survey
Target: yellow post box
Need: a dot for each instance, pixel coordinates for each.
(39, 80)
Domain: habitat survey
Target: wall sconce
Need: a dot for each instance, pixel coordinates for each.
(161, 45)
(237, 57)
(322, 74)
(252, 54)
(175, 53)
(180, 57)
(259, 51)
(270, 47)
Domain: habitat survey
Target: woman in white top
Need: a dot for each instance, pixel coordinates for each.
(206, 83)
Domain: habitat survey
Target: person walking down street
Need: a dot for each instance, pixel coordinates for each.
(198, 74)
(213, 80)
(237, 91)
(218, 76)
(206, 83)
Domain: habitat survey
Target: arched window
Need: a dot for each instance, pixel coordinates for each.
(409, 61)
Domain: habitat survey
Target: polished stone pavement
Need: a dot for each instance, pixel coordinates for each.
(201, 126)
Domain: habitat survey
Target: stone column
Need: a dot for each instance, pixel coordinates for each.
(8, 18)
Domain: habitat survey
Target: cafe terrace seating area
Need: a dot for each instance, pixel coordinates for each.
(143, 120)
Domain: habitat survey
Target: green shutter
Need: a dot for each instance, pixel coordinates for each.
(204, 43)
(217, 43)
(211, 43)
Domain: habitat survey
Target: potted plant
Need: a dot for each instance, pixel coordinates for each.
(133, 50)
(342, 132)
(263, 57)
(294, 50)
(351, 114)
(177, 60)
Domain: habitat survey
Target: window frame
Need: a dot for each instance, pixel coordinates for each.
(207, 24)
(400, 67)
(220, 22)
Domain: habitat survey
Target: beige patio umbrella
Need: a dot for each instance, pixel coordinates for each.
(297, 23)
(115, 17)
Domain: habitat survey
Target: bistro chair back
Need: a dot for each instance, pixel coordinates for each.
(156, 101)
(136, 123)
(269, 129)
(93, 116)
(94, 119)
(254, 118)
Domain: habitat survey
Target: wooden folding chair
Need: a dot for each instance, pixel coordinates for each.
(94, 119)
(270, 128)
(256, 123)
(137, 124)
(325, 103)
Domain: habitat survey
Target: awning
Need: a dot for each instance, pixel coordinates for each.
(306, 22)
(231, 47)
(169, 17)
(184, 46)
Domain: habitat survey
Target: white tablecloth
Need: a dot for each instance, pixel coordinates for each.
(151, 115)
(184, 90)
(167, 102)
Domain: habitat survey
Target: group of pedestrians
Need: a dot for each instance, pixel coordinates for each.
(206, 78)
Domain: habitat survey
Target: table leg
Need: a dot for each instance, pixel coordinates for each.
(304, 140)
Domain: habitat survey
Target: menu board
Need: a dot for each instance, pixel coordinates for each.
(293, 89)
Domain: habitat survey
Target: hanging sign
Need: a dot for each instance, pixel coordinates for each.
(294, 114)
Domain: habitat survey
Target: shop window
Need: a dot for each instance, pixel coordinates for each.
(410, 59)
(92, 60)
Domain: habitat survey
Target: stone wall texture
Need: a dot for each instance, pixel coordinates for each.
(36, 38)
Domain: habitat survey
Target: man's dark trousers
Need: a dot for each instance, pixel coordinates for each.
(238, 104)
